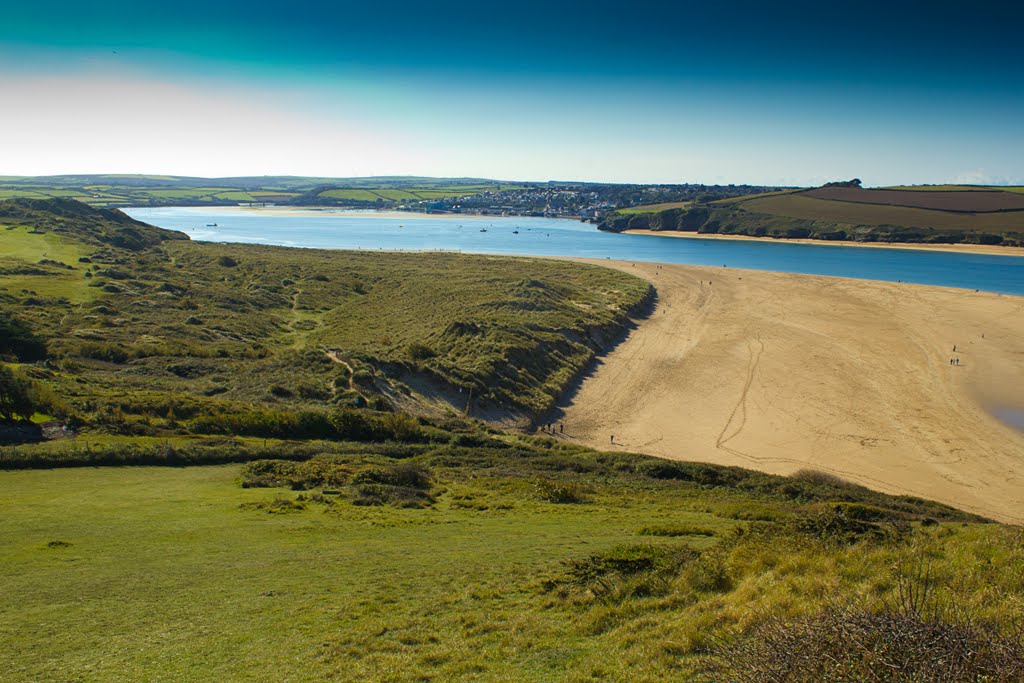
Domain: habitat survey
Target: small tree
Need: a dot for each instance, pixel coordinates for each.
(15, 398)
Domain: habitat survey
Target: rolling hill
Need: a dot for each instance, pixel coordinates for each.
(947, 215)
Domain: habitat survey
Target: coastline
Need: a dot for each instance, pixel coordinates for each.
(781, 372)
(986, 249)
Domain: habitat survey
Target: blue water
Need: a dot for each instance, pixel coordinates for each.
(1011, 416)
(560, 237)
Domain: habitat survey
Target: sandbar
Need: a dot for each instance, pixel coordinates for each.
(781, 372)
(993, 249)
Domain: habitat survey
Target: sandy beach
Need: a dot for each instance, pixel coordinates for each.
(781, 372)
(961, 248)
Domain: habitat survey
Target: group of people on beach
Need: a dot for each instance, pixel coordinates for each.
(549, 427)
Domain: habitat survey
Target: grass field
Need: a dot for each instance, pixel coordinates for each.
(178, 574)
(139, 190)
(654, 208)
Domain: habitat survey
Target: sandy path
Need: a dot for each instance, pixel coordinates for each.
(780, 372)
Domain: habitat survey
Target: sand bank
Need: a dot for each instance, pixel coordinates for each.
(961, 248)
(781, 372)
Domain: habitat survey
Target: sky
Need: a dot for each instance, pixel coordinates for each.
(781, 93)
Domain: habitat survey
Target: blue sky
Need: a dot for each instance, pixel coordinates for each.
(772, 93)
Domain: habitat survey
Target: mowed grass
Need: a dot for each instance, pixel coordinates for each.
(20, 247)
(176, 574)
(165, 577)
(810, 208)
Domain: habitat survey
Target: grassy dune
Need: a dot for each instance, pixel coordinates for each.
(204, 326)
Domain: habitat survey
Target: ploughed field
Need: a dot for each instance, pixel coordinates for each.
(961, 202)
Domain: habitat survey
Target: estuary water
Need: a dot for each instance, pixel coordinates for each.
(563, 237)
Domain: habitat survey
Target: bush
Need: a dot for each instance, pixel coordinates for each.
(15, 396)
(407, 475)
(19, 341)
(419, 352)
(560, 492)
(895, 645)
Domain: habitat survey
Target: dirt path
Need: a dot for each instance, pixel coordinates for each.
(781, 372)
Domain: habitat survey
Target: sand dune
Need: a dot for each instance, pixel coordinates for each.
(780, 372)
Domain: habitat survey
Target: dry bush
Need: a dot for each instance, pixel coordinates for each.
(913, 638)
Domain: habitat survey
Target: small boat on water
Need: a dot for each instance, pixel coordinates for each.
(483, 229)
(211, 225)
(515, 232)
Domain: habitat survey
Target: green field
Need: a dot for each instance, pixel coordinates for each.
(358, 195)
(178, 574)
(142, 190)
(654, 208)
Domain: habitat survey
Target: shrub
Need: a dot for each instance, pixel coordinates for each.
(15, 396)
(419, 352)
(889, 644)
(18, 340)
(227, 262)
(675, 530)
(559, 492)
(408, 475)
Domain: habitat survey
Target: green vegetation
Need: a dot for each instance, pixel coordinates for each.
(138, 190)
(945, 214)
(270, 476)
(653, 208)
(143, 340)
(447, 561)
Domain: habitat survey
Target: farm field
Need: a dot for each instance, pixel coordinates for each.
(925, 214)
(809, 207)
(653, 208)
(956, 188)
(975, 201)
(132, 190)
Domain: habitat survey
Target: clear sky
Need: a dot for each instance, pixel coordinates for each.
(738, 92)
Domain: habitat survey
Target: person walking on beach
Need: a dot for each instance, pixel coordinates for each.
(613, 438)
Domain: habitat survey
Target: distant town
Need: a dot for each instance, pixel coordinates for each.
(588, 202)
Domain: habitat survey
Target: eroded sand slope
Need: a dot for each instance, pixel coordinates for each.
(781, 372)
